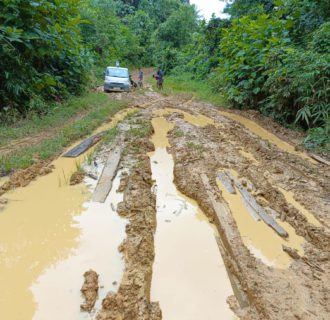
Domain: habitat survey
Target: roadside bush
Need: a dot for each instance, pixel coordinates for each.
(321, 39)
(299, 88)
(319, 139)
(247, 51)
(40, 52)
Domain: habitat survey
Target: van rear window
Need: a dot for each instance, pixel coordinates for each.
(117, 73)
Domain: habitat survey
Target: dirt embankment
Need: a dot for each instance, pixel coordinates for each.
(132, 301)
(22, 177)
(300, 292)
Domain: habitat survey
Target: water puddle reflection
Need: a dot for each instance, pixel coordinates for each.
(57, 290)
(189, 276)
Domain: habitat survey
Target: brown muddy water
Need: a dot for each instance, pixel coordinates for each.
(266, 135)
(3, 180)
(289, 197)
(189, 279)
(194, 119)
(50, 234)
(263, 242)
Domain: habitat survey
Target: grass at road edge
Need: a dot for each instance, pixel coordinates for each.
(197, 89)
(317, 140)
(98, 107)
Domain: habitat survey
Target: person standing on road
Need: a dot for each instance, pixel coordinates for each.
(140, 78)
(160, 79)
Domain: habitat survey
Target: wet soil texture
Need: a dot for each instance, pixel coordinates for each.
(211, 215)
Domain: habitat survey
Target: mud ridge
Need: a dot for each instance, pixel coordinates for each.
(132, 301)
(22, 177)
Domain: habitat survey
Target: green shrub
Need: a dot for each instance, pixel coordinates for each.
(318, 139)
(40, 53)
(299, 88)
(321, 39)
(247, 50)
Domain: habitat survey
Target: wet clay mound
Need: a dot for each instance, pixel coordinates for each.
(90, 290)
(301, 291)
(22, 177)
(132, 301)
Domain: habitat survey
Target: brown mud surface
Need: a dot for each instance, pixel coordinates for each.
(272, 277)
(90, 290)
(77, 177)
(296, 284)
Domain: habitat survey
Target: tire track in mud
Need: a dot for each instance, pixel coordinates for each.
(220, 152)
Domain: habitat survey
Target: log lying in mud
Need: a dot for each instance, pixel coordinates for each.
(226, 181)
(85, 145)
(253, 206)
(104, 184)
(319, 159)
(90, 290)
(221, 210)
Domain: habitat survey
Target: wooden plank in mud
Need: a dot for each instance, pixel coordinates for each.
(226, 182)
(239, 293)
(259, 210)
(254, 214)
(220, 208)
(104, 184)
(319, 159)
(85, 145)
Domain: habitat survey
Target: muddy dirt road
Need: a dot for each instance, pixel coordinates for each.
(210, 215)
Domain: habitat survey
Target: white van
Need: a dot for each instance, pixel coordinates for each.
(117, 79)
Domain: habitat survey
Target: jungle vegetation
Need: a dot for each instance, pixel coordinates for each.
(268, 55)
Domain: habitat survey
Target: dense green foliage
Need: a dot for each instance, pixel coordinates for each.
(48, 48)
(271, 55)
(40, 53)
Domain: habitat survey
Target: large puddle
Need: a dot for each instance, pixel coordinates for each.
(189, 276)
(57, 290)
(260, 239)
(49, 238)
(266, 135)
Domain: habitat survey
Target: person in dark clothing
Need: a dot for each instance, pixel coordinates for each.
(133, 83)
(140, 78)
(160, 79)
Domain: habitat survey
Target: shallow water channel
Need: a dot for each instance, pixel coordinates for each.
(189, 276)
(266, 135)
